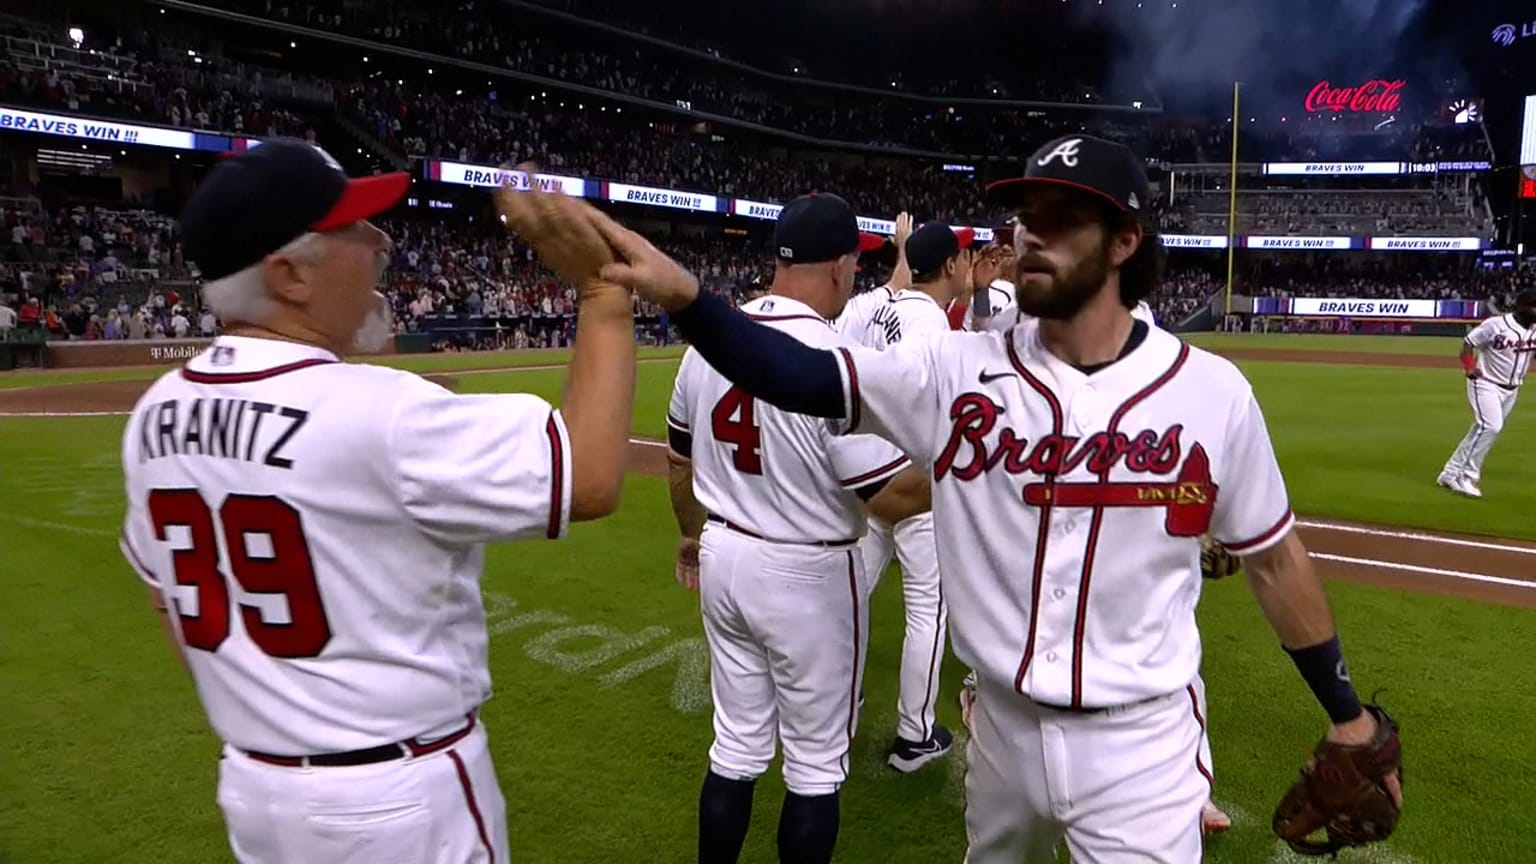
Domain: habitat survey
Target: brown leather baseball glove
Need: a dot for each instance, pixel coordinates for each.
(1343, 791)
(1215, 561)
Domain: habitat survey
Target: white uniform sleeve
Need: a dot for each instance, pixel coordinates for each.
(928, 318)
(1483, 334)
(137, 541)
(679, 411)
(892, 394)
(481, 468)
(1252, 510)
(864, 459)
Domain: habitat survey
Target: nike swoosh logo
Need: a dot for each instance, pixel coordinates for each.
(989, 377)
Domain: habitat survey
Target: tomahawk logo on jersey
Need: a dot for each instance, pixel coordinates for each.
(1121, 454)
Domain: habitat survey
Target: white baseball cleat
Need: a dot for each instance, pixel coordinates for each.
(1446, 479)
(1466, 486)
(1213, 820)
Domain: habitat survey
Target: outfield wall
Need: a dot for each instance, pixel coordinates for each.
(142, 352)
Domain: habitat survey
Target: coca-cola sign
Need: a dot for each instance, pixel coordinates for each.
(1375, 95)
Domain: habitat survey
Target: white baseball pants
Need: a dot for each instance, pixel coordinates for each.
(1120, 786)
(922, 649)
(1491, 405)
(787, 627)
(444, 808)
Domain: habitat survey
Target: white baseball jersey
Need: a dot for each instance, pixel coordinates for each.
(782, 476)
(860, 310)
(909, 313)
(1001, 294)
(315, 528)
(1504, 350)
(1068, 506)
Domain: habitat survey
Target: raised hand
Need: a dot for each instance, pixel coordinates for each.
(558, 227)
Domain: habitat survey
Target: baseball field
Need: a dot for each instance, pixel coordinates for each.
(601, 715)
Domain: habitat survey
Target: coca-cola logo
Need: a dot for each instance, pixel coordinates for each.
(1375, 95)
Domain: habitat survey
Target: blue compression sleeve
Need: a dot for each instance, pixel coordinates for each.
(774, 367)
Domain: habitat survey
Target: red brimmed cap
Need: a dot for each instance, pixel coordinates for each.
(254, 203)
(1100, 168)
(820, 227)
(933, 244)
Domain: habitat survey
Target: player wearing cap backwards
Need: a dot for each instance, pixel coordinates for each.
(1076, 461)
(940, 262)
(312, 531)
(770, 506)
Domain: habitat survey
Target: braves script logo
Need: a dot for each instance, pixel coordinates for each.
(1066, 151)
(1375, 95)
(1189, 499)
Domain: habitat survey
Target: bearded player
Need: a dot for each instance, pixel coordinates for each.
(1496, 356)
(993, 309)
(1077, 460)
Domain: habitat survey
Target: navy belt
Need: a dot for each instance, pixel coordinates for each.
(369, 755)
(825, 544)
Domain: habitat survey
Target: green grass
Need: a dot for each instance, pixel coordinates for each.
(107, 756)
(1365, 443)
(1371, 344)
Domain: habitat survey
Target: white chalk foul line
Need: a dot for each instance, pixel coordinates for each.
(1421, 536)
(56, 526)
(1428, 571)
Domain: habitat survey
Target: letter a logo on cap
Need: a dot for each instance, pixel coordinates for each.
(1066, 150)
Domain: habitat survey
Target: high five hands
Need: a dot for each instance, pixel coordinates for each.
(580, 243)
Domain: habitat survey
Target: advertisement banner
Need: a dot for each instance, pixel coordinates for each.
(1313, 306)
(462, 174)
(1373, 96)
(1256, 241)
(623, 193)
(1427, 244)
(1333, 168)
(1195, 241)
(1528, 133)
(90, 129)
(755, 209)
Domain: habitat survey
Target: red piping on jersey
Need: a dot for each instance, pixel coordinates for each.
(474, 808)
(853, 687)
(1085, 581)
(1194, 705)
(1042, 533)
(853, 390)
(247, 377)
(1273, 530)
(556, 476)
(133, 556)
(871, 476)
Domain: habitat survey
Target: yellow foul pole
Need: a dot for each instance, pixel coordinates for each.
(1232, 196)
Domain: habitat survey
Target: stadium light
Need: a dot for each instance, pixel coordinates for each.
(293, 44)
(458, 92)
(365, 58)
(76, 35)
(429, 70)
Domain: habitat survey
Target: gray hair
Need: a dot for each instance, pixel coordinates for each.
(243, 296)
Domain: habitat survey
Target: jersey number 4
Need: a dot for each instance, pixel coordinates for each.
(732, 422)
(268, 555)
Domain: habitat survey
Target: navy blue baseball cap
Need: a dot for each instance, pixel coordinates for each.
(1101, 168)
(255, 202)
(933, 244)
(820, 227)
